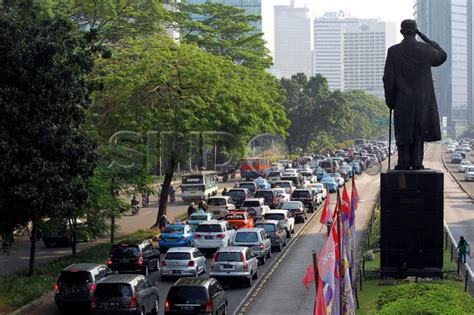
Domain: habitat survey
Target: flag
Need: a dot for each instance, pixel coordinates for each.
(326, 214)
(320, 307)
(347, 296)
(309, 276)
(354, 202)
(326, 265)
(345, 205)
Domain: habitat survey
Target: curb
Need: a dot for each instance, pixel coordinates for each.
(26, 308)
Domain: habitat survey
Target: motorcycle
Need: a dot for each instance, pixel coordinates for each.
(225, 178)
(135, 209)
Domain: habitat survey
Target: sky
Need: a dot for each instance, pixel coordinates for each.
(387, 10)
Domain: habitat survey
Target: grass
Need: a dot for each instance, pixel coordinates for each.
(19, 289)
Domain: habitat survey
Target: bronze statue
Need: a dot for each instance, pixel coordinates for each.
(410, 93)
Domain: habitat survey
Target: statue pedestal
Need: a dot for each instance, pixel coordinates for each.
(411, 230)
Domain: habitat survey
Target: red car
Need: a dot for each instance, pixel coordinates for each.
(240, 219)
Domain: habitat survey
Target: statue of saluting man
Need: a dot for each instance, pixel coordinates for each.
(410, 93)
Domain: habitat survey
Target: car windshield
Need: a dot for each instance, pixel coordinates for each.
(209, 228)
(246, 237)
(198, 217)
(217, 202)
(251, 203)
(173, 230)
(334, 175)
(193, 188)
(74, 277)
(235, 216)
(327, 180)
(283, 184)
(271, 174)
(269, 228)
(279, 191)
(466, 162)
(125, 251)
(301, 194)
(470, 169)
(291, 205)
(263, 194)
(274, 216)
(236, 193)
(187, 294)
(249, 186)
(228, 256)
(178, 256)
(112, 290)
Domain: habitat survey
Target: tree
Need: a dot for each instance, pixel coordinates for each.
(224, 31)
(177, 90)
(43, 94)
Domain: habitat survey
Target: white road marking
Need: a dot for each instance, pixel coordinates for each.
(145, 212)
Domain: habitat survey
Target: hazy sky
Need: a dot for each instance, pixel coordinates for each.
(387, 10)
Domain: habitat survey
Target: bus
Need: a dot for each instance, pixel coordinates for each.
(254, 168)
(198, 186)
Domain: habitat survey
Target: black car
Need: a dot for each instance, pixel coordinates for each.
(306, 197)
(130, 256)
(76, 284)
(127, 295)
(269, 198)
(238, 195)
(275, 230)
(196, 296)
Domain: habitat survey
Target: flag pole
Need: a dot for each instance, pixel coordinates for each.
(339, 249)
(316, 276)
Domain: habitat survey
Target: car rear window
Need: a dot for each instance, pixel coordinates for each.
(290, 205)
(251, 203)
(228, 256)
(248, 186)
(199, 217)
(74, 277)
(283, 184)
(125, 251)
(236, 193)
(209, 228)
(267, 227)
(246, 237)
(187, 295)
(274, 174)
(235, 216)
(178, 256)
(112, 290)
(301, 194)
(274, 216)
(217, 202)
(264, 194)
(173, 229)
(193, 188)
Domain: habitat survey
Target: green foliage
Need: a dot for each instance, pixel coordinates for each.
(424, 298)
(224, 31)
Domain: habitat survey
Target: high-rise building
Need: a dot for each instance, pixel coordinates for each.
(350, 52)
(292, 36)
(450, 23)
(250, 6)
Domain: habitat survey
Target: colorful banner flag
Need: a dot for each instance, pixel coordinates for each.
(347, 295)
(309, 276)
(326, 215)
(345, 205)
(320, 307)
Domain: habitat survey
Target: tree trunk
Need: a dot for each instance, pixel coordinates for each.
(112, 228)
(163, 205)
(32, 248)
(74, 237)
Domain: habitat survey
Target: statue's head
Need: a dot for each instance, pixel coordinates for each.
(408, 28)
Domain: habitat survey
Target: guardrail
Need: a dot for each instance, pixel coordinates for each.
(468, 273)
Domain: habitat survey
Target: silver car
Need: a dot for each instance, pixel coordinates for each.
(183, 261)
(234, 262)
(256, 239)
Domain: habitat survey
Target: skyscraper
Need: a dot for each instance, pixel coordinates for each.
(250, 6)
(292, 53)
(449, 22)
(350, 52)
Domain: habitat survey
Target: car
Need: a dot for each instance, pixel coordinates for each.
(262, 183)
(256, 207)
(270, 199)
(296, 208)
(320, 188)
(296, 179)
(219, 206)
(460, 151)
(234, 262)
(319, 173)
(345, 170)
(198, 217)
(211, 235)
(456, 158)
(450, 148)
(338, 178)
(256, 239)
(274, 176)
(463, 166)
(306, 197)
(356, 168)
(196, 296)
(286, 184)
(282, 215)
(330, 184)
(131, 256)
(290, 171)
(275, 231)
(466, 147)
(58, 232)
(182, 261)
(176, 235)
(251, 186)
(281, 195)
(240, 219)
(75, 285)
(126, 294)
(238, 196)
(469, 174)
(308, 176)
(317, 194)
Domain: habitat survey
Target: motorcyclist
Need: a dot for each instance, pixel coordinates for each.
(172, 195)
(135, 205)
(225, 192)
(202, 205)
(191, 209)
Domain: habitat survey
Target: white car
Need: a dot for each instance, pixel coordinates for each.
(466, 147)
(450, 148)
(285, 216)
(469, 174)
(213, 234)
(274, 176)
(321, 189)
(220, 206)
(281, 194)
(319, 195)
(463, 166)
(290, 172)
(258, 206)
(288, 185)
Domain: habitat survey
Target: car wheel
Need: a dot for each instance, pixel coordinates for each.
(228, 243)
(146, 272)
(157, 266)
(204, 269)
(224, 311)
(164, 278)
(255, 275)
(288, 234)
(263, 260)
(156, 308)
(249, 282)
(269, 254)
(196, 275)
(279, 248)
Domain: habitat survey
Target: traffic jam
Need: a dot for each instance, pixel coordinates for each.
(226, 243)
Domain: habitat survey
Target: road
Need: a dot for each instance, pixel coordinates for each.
(18, 258)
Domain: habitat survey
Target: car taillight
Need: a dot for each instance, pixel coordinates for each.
(213, 259)
(133, 301)
(56, 288)
(92, 288)
(183, 238)
(220, 235)
(167, 306)
(109, 262)
(163, 263)
(197, 235)
(191, 263)
(261, 246)
(93, 302)
(245, 265)
(140, 260)
(273, 200)
(209, 306)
